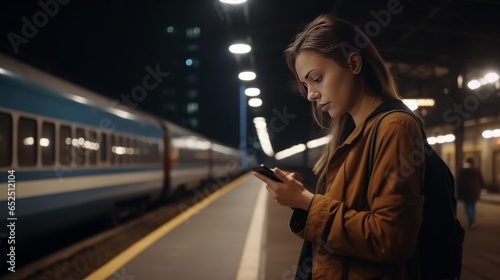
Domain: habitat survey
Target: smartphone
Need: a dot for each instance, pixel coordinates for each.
(264, 170)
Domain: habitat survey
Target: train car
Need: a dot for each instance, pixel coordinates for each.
(74, 157)
(196, 159)
(481, 142)
(68, 155)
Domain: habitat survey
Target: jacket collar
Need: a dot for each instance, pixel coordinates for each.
(351, 133)
(388, 105)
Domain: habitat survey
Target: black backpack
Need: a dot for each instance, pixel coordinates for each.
(441, 234)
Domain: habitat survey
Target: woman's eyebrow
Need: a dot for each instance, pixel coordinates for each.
(307, 75)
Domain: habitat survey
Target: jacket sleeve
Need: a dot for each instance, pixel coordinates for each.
(389, 232)
(298, 220)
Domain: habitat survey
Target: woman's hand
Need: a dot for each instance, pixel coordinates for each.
(291, 192)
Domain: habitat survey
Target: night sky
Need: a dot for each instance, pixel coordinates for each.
(110, 46)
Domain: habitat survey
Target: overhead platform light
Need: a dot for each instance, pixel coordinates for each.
(255, 102)
(265, 142)
(414, 104)
(290, 151)
(232, 2)
(252, 92)
(491, 78)
(247, 76)
(441, 139)
(240, 48)
(474, 84)
(491, 133)
(318, 142)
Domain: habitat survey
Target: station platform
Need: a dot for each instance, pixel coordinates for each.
(240, 232)
(486, 197)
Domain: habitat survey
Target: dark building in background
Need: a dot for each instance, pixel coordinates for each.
(180, 98)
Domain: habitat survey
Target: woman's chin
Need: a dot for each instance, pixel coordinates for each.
(334, 113)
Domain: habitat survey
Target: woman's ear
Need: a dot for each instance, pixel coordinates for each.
(355, 62)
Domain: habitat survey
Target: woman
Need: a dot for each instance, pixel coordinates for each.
(359, 227)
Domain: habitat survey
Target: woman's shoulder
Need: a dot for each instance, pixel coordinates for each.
(399, 121)
(404, 119)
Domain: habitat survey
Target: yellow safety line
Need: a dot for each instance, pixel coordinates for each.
(119, 261)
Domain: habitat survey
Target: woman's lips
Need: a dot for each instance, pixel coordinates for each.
(325, 106)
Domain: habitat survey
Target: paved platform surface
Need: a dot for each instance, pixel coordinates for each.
(244, 235)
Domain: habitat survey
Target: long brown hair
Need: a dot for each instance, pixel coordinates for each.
(335, 39)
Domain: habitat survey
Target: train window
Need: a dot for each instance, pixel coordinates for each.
(65, 145)
(147, 153)
(151, 153)
(5, 139)
(81, 154)
(125, 155)
(26, 142)
(103, 147)
(133, 145)
(91, 147)
(156, 153)
(119, 149)
(113, 149)
(140, 156)
(47, 143)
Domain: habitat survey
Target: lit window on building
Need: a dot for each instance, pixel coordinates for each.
(168, 92)
(192, 93)
(193, 122)
(192, 78)
(193, 32)
(193, 47)
(169, 107)
(192, 108)
(170, 30)
(192, 62)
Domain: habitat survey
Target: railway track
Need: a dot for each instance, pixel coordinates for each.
(82, 258)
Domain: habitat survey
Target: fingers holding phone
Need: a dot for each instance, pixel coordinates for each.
(267, 172)
(297, 177)
(286, 188)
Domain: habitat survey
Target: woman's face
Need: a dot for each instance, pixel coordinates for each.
(331, 86)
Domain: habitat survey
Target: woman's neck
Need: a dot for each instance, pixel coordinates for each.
(364, 106)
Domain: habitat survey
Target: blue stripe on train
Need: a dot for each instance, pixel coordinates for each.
(69, 172)
(45, 214)
(68, 199)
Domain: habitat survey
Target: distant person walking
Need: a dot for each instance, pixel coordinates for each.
(469, 185)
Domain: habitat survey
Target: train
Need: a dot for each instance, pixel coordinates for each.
(481, 142)
(68, 155)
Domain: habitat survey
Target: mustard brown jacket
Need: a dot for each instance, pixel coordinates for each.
(374, 229)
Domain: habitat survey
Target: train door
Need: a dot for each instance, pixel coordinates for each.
(496, 171)
(167, 161)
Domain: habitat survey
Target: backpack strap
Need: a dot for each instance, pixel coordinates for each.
(374, 135)
(372, 151)
(373, 142)
(428, 152)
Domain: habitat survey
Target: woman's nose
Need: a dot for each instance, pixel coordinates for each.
(313, 95)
